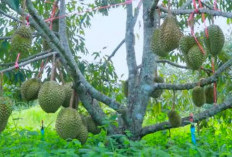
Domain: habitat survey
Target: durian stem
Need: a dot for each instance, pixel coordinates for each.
(169, 7)
(23, 16)
(53, 67)
(76, 101)
(173, 100)
(42, 67)
(215, 84)
(72, 99)
(60, 72)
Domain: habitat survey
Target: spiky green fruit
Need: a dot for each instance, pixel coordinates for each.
(215, 40)
(51, 96)
(157, 92)
(24, 31)
(91, 125)
(20, 44)
(6, 106)
(198, 96)
(174, 119)
(83, 135)
(68, 94)
(68, 123)
(186, 43)
(209, 94)
(170, 34)
(195, 58)
(30, 89)
(156, 44)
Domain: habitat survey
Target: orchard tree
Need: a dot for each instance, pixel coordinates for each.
(96, 84)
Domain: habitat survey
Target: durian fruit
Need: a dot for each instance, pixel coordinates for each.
(174, 119)
(170, 33)
(198, 96)
(83, 135)
(186, 43)
(21, 41)
(215, 41)
(51, 96)
(6, 106)
(30, 89)
(68, 94)
(68, 123)
(209, 94)
(125, 88)
(91, 125)
(156, 44)
(157, 92)
(20, 44)
(195, 58)
(24, 31)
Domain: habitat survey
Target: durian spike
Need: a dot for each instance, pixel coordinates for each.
(53, 67)
(72, 99)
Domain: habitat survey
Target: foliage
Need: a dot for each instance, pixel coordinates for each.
(23, 138)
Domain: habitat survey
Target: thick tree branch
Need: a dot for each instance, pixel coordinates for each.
(181, 66)
(76, 73)
(188, 86)
(185, 121)
(28, 62)
(201, 10)
(129, 40)
(26, 59)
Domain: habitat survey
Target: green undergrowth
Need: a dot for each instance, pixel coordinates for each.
(22, 137)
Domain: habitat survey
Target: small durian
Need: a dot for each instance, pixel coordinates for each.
(215, 40)
(174, 119)
(186, 43)
(170, 33)
(156, 44)
(24, 31)
(51, 96)
(68, 94)
(157, 92)
(209, 94)
(20, 44)
(91, 125)
(30, 89)
(6, 107)
(195, 58)
(198, 96)
(68, 123)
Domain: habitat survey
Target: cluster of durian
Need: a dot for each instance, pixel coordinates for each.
(193, 56)
(166, 38)
(21, 41)
(201, 95)
(174, 118)
(6, 106)
(69, 125)
(155, 94)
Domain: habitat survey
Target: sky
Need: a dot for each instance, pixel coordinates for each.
(109, 31)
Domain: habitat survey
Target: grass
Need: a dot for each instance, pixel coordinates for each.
(22, 137)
